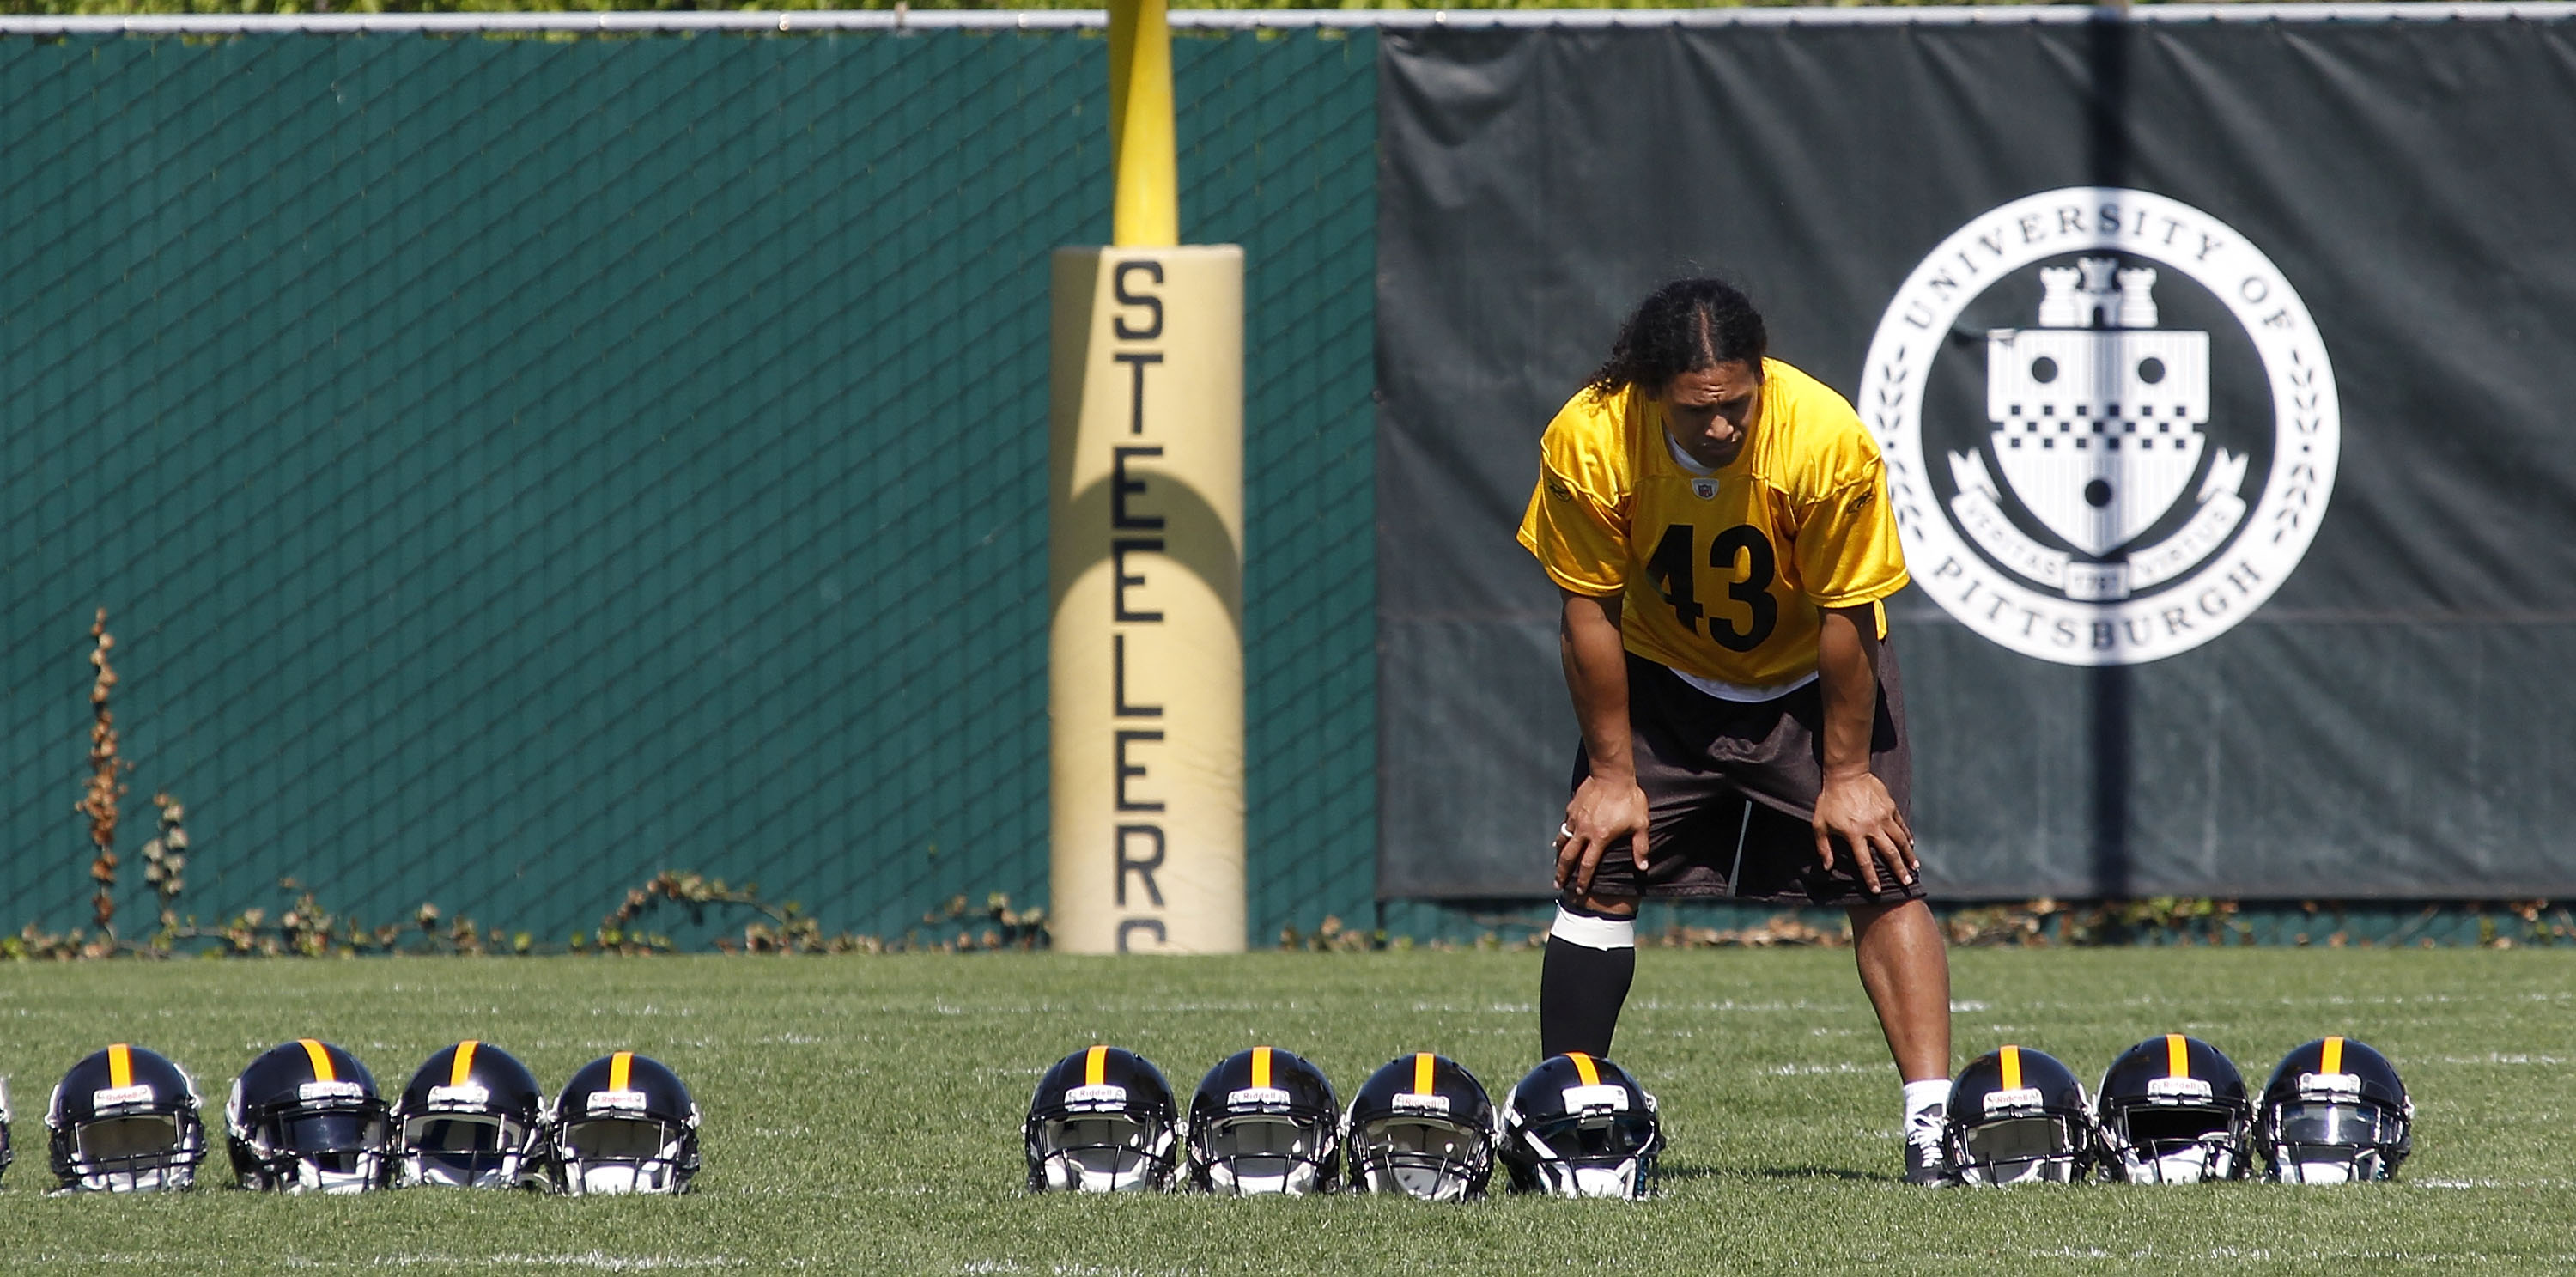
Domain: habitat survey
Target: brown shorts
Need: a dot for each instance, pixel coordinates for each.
(1731, 793)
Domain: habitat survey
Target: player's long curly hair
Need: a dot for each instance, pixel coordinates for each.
(1688, 325)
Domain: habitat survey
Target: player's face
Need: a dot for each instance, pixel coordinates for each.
(1709, 412)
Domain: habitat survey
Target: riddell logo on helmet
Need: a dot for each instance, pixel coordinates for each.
(2020, 1100)
(330, 1091)
(1252, 1095)
(2178, 1088)
(1102, 1093)
(111, 1097)
(2330, 1086)
(2155, 441)
(469, 1095)
(621, 1101)
(1604, 1098)
(1408, 1102)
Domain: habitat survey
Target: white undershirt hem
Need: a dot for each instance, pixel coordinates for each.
(1740, 693)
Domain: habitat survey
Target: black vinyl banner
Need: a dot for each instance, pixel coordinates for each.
(2222, 372)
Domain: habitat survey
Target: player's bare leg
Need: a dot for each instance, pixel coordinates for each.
(1905, 968)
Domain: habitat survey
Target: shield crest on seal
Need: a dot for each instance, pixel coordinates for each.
(2097, 429)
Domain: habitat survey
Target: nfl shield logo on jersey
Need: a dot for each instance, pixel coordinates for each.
(1704, 489)
(2157, 435)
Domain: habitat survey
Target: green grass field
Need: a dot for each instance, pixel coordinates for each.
(863, 1113)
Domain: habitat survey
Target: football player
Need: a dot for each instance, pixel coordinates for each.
(1717, 524)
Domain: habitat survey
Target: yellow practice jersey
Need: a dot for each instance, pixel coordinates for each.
(1721, 574)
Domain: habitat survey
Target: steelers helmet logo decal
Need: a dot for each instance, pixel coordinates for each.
(2109, 424)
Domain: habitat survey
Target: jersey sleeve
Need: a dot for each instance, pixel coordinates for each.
(1847, 548)
(1577, 522)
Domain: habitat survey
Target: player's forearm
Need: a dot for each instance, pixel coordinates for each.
(1596, 676)
(1847, 676)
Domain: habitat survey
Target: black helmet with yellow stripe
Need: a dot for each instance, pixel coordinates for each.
(1423, 1126)
(625, 1123)
(1102, 1121)
(125, 1120)
(472, 1117)
(1264, 1121)
(2018, 1116)
(305, 1117)
(1580, 1126)
(2174, 1110)
(2334, 1112)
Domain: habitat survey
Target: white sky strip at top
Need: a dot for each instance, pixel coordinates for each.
(990, 20)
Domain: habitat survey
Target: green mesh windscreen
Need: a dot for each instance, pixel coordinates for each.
(514, 467)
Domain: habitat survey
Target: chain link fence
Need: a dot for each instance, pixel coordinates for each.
(514, 467)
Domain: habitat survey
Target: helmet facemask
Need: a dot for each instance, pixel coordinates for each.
(138, 1152)
(2176, 1144)
(1113, 1151)
(618, 1154)
(1598, 1152)
(1431, 1158)
(469, 1149)
(334, 1138)
(2029, 1148)
(2336, 1141)
(1246, 1154)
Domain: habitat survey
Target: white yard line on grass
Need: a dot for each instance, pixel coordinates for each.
(1015, 1268)
(580, 1261)
(2259, 1255)
(584, 1261)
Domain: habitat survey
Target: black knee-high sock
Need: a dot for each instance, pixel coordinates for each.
(1580, 991)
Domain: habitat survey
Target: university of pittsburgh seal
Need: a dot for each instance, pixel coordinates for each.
(2109, 423)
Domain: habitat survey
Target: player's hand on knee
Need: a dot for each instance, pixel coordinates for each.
(1600, 813)
(1858, 811)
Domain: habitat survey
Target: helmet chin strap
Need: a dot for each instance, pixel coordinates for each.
(1067, 1170)
(312, 1178)
(2322, 1173)
(1062, 1175)
(624, 1177)
(1294, 1177)
(1606, 1181)
(2184, 1166)
(1446, 1174)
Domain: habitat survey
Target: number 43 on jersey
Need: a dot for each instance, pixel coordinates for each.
(1742, 558)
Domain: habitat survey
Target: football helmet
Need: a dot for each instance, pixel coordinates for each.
(1264, 1121)
(2334, 1112)
(472, 1117)
(625, 1124)
(2174, 1110)
(305, 1117)
(1102, 1121)
(125, 1120)
(1580, 1126)
(2017, 1116)
(1421, 1125)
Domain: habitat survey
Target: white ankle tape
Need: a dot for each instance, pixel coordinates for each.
(1594, 933)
